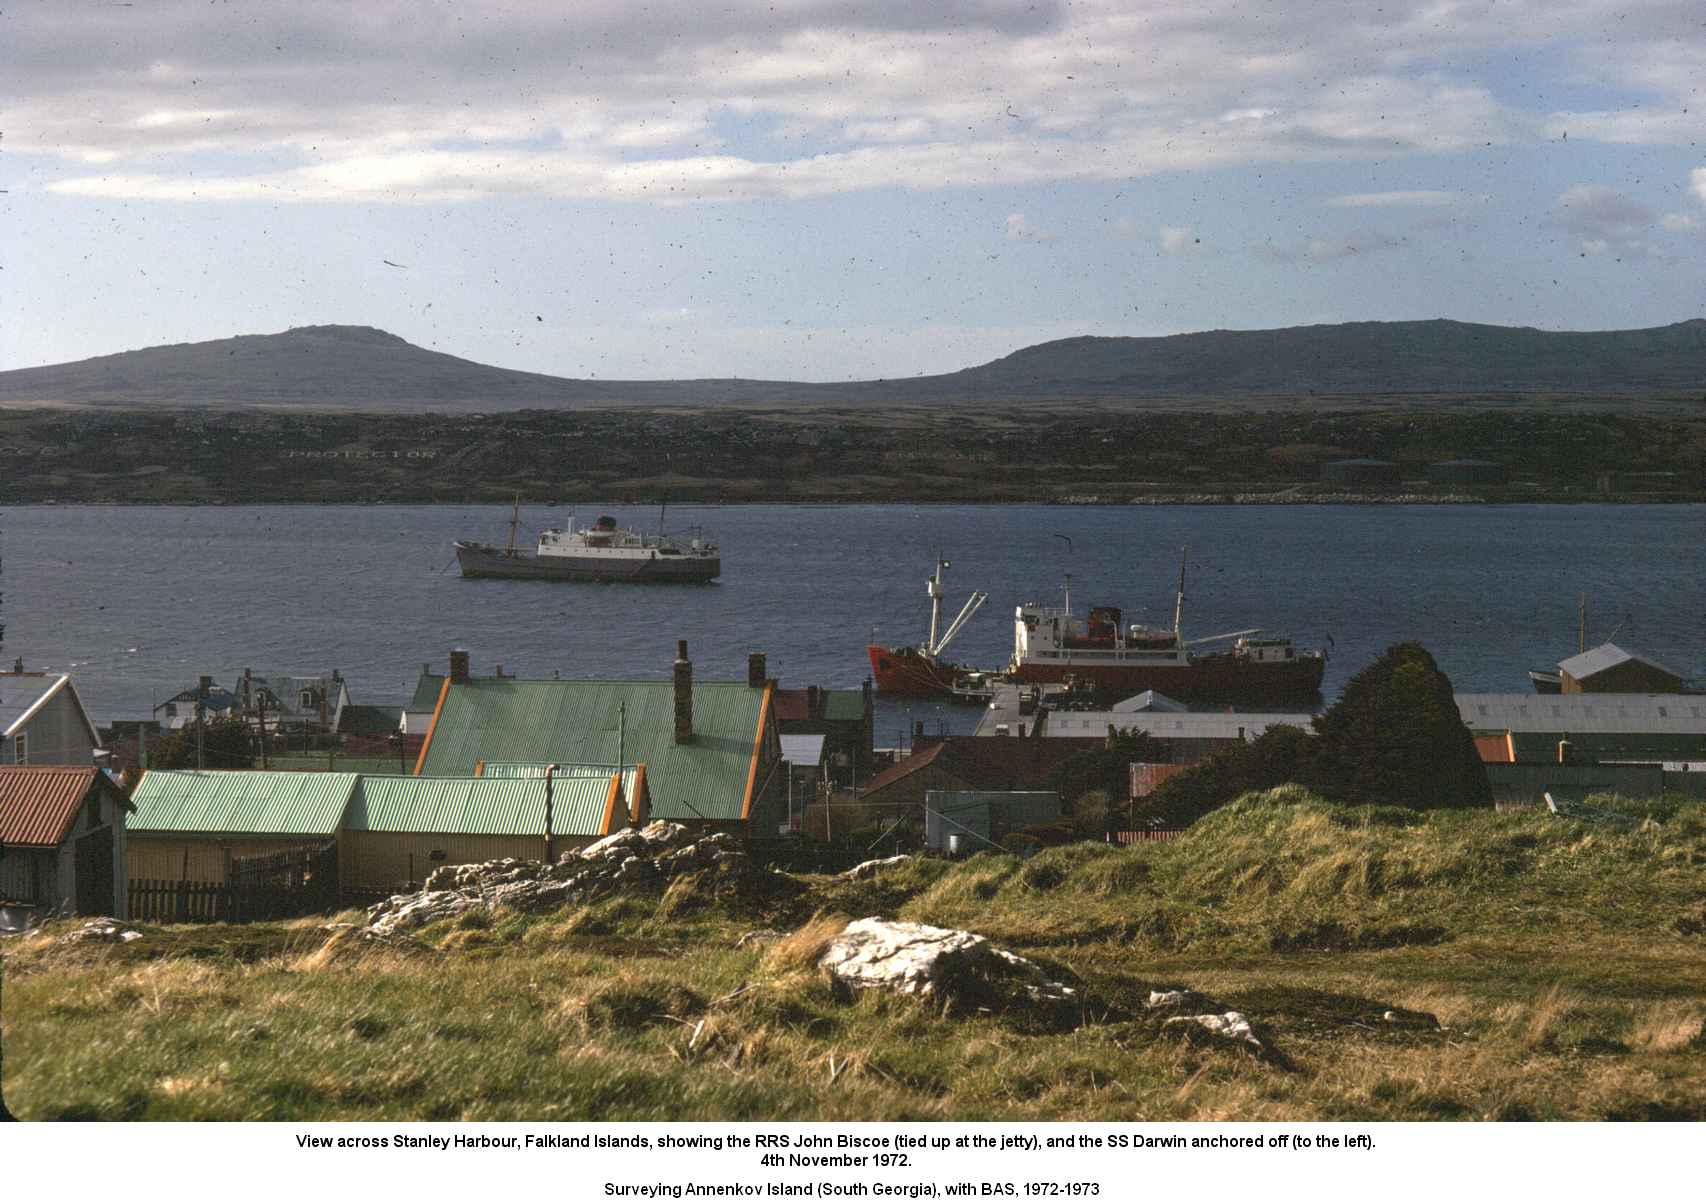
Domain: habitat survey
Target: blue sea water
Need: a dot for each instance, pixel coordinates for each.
(138, 601)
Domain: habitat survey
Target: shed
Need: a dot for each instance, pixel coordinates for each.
(1610, 668)
(62, 840)
(42, 720)
(398, 828)
(983, 819)
(1483, 472)
(1361, 473)
(189, 825)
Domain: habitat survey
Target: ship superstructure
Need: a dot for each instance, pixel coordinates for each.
(1099, 650)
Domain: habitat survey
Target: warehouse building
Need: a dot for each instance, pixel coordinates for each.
(1610, 668)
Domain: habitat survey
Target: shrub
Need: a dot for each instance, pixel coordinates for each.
(1395, 737)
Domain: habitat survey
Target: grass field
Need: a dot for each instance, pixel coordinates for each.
(1565, 962)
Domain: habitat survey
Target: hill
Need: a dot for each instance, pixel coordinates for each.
(357, 367)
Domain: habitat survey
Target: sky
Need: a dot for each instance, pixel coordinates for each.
(831, 189)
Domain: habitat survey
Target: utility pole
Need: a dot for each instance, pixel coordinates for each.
(201, 720)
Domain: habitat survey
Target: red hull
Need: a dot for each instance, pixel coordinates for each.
(906, 671)
(1224, 679)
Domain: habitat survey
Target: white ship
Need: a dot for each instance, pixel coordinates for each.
(601, 551)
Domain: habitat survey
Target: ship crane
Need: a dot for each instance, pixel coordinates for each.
(933, 586)
(1222, 637)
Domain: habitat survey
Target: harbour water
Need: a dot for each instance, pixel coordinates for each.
(138, 601)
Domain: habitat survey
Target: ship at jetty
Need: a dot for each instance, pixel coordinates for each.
(1100, 652)
(920, 670)
(601, 551)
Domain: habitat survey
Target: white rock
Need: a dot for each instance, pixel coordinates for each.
(1229, 1025)
(871, 867)
(929, 961)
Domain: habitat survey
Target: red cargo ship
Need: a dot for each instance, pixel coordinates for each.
(921, 670)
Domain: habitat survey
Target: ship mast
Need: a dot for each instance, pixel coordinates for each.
(514, 521)
(933, 586)
(1179, 601)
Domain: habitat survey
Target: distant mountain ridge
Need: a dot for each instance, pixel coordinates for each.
(357, 367)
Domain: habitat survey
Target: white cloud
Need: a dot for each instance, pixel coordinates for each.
(1697, 183)
(1679, 223)
(1416, 199)
(1179, 239)
(750, 99)
(1018, 228)
(1604, 221)
(1328, 248)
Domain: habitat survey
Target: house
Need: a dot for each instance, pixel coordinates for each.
(711, 749)
(944, 766)
(418, 710)
(42, 720)
(399, 828)
(189, 825)
(845, 718)
(293, 702)
(62, 841)
(1610, 668)
(179, 711)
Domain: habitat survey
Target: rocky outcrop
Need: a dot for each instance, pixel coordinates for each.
(630, 859)
(953, 967)
(1232, 1026)
(100, 929)
(872, 867)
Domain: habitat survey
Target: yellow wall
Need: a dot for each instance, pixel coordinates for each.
(162, 858)
(380, 860)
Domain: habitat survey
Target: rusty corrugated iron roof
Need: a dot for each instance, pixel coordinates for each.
(38, 804)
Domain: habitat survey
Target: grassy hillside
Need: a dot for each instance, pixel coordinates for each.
(1562, 960)
(356, 367)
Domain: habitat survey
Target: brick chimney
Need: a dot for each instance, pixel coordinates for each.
(683, 693)
(458, 667)
(755, 674)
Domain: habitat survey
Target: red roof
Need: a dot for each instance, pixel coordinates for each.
(38, 804)
(953, 757)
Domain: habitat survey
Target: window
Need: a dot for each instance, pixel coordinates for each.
(20, 749)
(306, 700)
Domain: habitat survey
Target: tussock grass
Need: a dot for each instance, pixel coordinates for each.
(1561, 959)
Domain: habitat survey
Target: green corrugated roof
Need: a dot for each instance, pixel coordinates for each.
(240, 802)
(842, 705)
(469, 805)
(514, 770)
(576, 721)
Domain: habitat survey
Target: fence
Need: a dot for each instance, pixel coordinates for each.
(1126, 838)
(257, 888)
